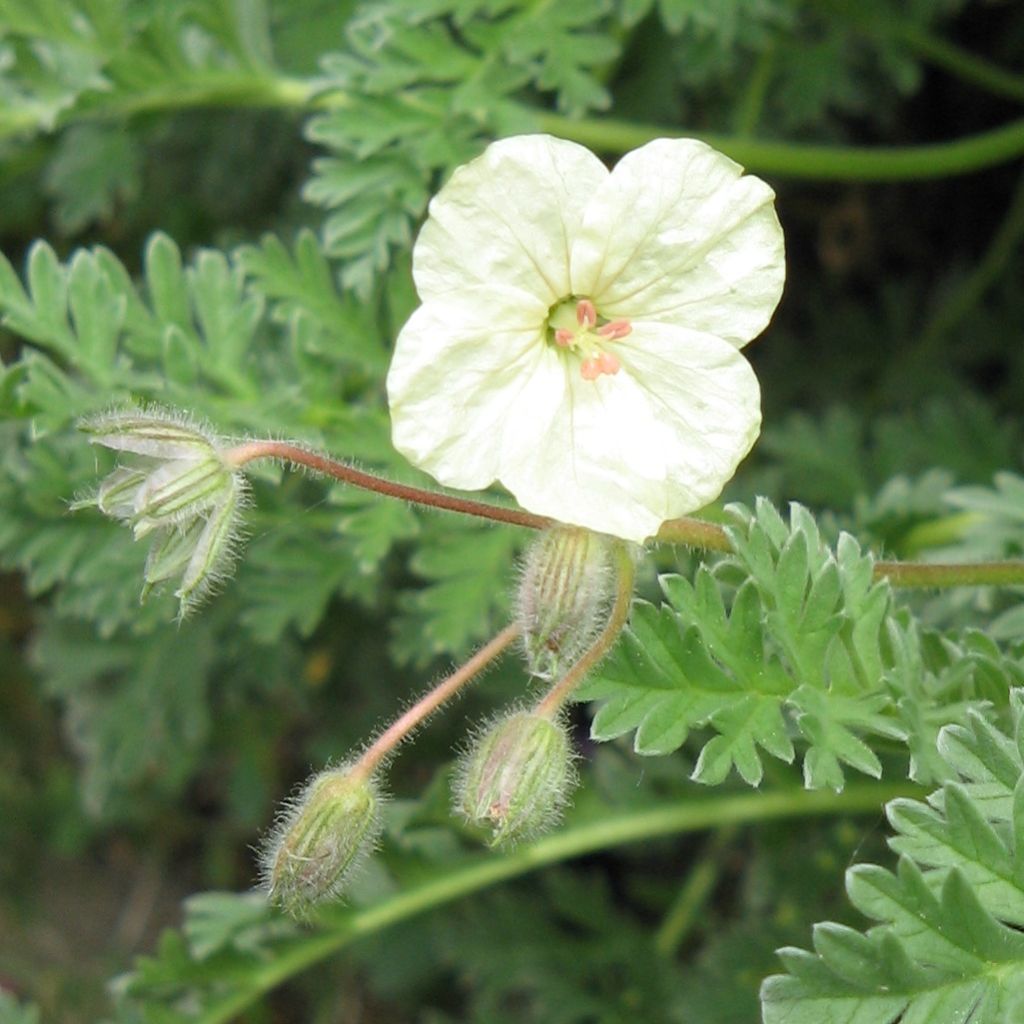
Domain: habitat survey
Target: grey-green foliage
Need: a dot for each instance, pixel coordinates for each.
(948, 944)
(412, 89)
(258, 342)
(425, 86)
(420, 87)
(789, 643)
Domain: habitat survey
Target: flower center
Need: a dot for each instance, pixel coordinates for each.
(575, 326)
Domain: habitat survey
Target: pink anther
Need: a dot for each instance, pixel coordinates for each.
(586, 314)
(590, 369)
(608, 363)
(615, 329)
(563, 337)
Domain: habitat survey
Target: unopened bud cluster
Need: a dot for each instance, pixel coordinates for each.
(175, 488)
(320, 838)
(565, 590)
(182, 488)
(516, 778)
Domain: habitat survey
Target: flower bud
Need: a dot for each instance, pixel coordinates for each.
(320, 837)
(566, 587)
(516, 778)
(177, 488)
(178, 491)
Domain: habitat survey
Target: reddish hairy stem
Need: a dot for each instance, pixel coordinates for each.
(696, 533)
(430, 702)
(252, 450)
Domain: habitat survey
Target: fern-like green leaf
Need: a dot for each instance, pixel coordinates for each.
(800, 642)
(948, 945)
(787, 642)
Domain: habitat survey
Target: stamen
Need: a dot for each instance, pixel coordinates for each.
(608, 363)
(586, 313)
(615, 329)
(564, 337)
(590, 369)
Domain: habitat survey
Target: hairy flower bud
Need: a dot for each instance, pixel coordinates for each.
(564, 593)
(175, 487)
(516, 778)
(320, 837)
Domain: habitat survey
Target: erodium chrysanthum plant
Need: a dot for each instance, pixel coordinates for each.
(579, 341)
(482, 407)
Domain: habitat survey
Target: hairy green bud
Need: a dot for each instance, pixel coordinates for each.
(320, 837)
(565, 591)
(516, 778)
(175, 487)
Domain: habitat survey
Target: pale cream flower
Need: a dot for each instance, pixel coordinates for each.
(580, 329)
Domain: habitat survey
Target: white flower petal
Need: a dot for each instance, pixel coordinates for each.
(459, 365)
(676, 234)
(508, 217)
(658, 440)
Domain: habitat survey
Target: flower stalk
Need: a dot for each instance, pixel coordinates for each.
(370, 760)
(687, 530)
(283, 451)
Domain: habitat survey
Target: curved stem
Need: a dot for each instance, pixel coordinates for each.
(973, 288)
(552, 702)
(786, 159)
(430, 702)
(697, 533)
(802, 160)
(343, 926)
(250, 451)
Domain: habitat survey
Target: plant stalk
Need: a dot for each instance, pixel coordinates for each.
(430, 702)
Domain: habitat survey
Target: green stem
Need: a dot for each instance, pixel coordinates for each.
(785, 159)
(344, 926)
(694, 894)
(947, 574)
(899, 574)
(748, 112)
(804, 160)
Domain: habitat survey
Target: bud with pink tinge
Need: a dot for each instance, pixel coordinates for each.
(516, 778)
